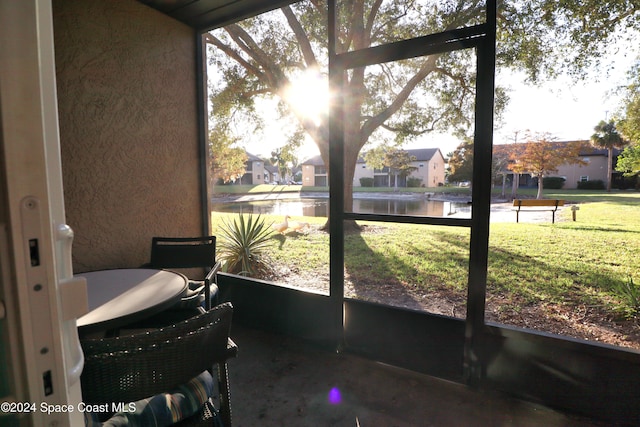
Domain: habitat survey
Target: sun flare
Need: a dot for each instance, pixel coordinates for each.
(308, 94)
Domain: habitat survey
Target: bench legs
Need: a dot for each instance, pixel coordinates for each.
(553, 216)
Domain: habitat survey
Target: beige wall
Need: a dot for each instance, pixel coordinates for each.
(595, 169)
(128, 129)
(431, 172)
(361, 171)
(308, 175)
(257, 170)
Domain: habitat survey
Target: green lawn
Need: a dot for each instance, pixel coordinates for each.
(584, 263)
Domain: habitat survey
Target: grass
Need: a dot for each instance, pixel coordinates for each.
(589, 262)
(580, 263)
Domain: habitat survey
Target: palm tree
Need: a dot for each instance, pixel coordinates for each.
(606, 136)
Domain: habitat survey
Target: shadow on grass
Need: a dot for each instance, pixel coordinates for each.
(600, 228)
(371, 277)
(521, 282)
(394, 278)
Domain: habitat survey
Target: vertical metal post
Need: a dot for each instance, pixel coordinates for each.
(481, 196)
(203, 139)
(336, 177)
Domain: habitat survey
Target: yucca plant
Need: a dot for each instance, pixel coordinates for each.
(630, 294)
(243, 245)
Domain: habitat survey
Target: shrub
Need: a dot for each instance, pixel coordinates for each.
(629, 292)
(366, 182)
(243, 246)
(414, 182)
(553, 182)
(591, 185)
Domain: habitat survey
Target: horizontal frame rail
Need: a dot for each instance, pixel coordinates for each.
(447, 41)
(426, 220)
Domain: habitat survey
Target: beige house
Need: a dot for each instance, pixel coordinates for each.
(254, 173)
(593, 169)
(314, 173)
(429, 164)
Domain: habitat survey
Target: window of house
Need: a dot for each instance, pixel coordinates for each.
(584, 178)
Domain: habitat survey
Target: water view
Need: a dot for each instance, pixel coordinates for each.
(319, 207)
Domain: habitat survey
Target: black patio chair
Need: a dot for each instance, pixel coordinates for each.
(189, 253)
(146, 367)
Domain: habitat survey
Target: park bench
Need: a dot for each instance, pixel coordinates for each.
(537, 205)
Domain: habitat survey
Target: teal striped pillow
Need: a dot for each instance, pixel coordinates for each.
(162, 409)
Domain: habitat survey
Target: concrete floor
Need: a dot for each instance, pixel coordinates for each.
(280, 381)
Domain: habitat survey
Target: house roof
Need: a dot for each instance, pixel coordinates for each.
(423, 153)
(314, 161)
(253, 157)
(271, 168)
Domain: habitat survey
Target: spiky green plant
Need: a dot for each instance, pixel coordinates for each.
(630, 294)
(243, 245)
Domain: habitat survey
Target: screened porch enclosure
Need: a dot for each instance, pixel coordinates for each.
(572, 375)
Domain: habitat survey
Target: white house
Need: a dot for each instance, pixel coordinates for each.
(429, 164)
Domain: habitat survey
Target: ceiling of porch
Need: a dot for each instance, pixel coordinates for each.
(208, 14)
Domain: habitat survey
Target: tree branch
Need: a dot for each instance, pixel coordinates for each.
(275, 77)
(375, 8)
(301, 37)
(371, 124)
(234, 55)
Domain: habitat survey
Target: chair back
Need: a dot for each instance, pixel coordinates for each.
(134, 367)
(183, 252)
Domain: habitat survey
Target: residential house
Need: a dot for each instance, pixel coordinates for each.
(271, 174)
(314, 173)
(255, 171)
(593, 169)
(428, 163)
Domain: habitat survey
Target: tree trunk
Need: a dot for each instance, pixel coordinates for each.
(514, 185)
(609, 167)
(540, 187)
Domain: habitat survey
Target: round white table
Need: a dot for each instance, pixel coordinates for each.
(122, 296)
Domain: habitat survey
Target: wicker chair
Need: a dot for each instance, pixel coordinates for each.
(135, 367)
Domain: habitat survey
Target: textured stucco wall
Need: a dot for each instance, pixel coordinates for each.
(128, 128)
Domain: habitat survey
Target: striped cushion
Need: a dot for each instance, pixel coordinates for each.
(162, 409)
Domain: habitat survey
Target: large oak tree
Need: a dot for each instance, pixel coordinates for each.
(629, 125)
(262, 57)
